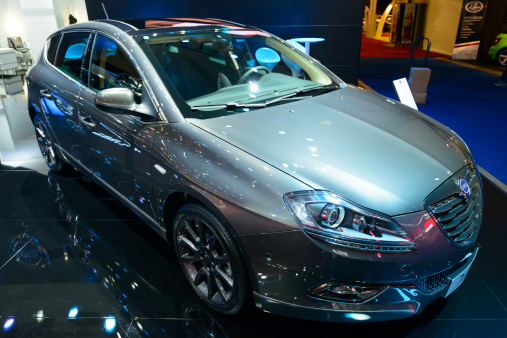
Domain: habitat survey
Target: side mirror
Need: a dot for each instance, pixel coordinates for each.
(116, 100)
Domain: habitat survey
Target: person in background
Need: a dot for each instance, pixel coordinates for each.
(72, 19)
(503, 79)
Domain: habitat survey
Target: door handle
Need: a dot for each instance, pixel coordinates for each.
(86, 119)
(46, 93)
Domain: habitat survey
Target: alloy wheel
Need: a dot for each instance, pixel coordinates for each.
(45, 144)
(205, 260)
(502, 58)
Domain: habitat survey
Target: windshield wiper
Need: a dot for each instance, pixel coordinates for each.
(324, 88)
(235, 105)
(229, 106)
(301, 91)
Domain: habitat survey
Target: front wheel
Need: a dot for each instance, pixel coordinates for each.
(46, 145)
(210, 259)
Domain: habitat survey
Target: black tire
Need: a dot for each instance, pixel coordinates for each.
(46, 145)
(501, 57)
(210, 259)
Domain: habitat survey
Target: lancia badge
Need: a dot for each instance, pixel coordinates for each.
(465, 188)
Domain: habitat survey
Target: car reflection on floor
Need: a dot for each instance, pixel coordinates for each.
(75, 262)
(94, 251)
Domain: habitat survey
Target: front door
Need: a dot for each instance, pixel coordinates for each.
(116, 147)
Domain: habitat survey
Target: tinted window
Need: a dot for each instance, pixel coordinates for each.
(52, 45)
(70, 54)
(111, 68)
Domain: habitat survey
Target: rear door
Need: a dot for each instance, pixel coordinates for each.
(116, 147)
(60, 84)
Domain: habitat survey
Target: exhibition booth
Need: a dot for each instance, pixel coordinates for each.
(217, 171)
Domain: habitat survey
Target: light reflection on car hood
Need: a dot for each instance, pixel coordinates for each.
(360, 145)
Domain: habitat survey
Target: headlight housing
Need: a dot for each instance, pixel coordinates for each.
(328, 217)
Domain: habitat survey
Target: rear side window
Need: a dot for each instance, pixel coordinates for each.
(69, 58)
(52, 45)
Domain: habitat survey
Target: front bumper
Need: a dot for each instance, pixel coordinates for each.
(395, 302)
(284, 277)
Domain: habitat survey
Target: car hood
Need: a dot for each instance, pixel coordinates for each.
(365, 147)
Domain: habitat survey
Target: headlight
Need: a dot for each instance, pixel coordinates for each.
(328, 217)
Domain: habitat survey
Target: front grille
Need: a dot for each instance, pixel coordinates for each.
(432, 283)
(458, 215)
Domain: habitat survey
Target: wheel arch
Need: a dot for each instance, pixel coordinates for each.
(176, 199)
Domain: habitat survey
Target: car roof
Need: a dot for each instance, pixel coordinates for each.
(138, 26)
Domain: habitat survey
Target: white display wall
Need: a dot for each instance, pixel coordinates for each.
(34, 20)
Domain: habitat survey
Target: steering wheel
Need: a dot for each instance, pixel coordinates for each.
(128, 81)
(249, 72)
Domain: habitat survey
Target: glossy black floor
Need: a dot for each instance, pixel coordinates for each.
(75, 262)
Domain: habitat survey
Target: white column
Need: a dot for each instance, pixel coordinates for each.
(40, 21)
(372, 22)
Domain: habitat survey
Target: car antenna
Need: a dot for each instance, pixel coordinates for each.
(104, 7)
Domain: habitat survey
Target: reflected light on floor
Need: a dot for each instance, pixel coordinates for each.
(8, 324)
(73, 312)
(110, 324)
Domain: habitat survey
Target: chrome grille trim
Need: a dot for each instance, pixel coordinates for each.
(461, 207)
(359, 246)
(458, 215)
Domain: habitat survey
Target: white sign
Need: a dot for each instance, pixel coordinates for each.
(404, 93)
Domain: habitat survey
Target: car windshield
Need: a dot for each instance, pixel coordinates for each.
(222, 71)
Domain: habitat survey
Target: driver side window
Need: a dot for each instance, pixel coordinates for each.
(111, 67)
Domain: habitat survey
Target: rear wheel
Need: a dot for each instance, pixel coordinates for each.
(501, 57)
(46, 145)
(210, 259)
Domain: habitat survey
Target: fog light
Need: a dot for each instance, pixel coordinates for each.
(346, 293)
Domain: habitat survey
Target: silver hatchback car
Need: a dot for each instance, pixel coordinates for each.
(276, 182)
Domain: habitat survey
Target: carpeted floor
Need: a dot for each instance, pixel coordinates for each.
(464, 99)
(373, 48)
